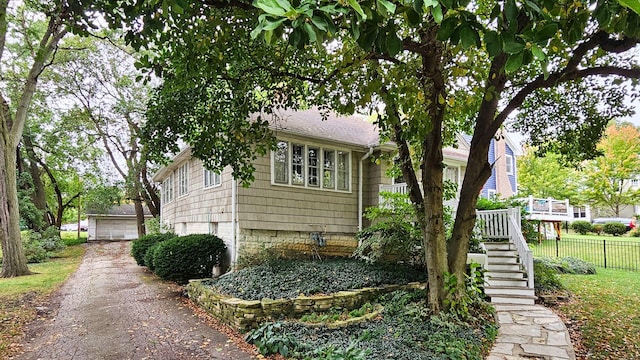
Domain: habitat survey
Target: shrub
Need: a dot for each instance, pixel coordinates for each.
(635, 233)
(39, 247)
(597, 229)
(568, 265)
(581, 227)
(148, 256)
(614, 228)
(389, 240)
(546, 278)
(188, 257)
(139, 247)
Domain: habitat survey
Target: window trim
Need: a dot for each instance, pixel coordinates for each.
(509, 165)
(184, 166)
(491, 194)
(168, 189)
(305, 168)
(204, 178)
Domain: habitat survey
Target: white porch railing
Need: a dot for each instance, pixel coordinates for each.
(505, 224)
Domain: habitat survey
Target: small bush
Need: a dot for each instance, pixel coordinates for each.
(39, 247)
(140, 246)
(597, 229)
(545, 278)
(389, 241)
(581, 227)
(635, 233)
(188, 257)
(614, 228)
(568, 265)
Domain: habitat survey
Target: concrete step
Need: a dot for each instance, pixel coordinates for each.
(503, 267)
(502, 253)
(498, 246)
(503, 259)
(512, 274)
(507, 291)
(505, 281)
(520, 300)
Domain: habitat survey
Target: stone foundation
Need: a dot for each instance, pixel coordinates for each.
(296, 242)
(243, 315)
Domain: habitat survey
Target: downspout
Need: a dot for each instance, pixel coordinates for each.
(234, 220)
(360, 185)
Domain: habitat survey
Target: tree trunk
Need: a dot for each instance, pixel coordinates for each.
(14, 261)
(39, 196)
(137, 202)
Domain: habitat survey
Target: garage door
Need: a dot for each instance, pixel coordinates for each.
(116, 229)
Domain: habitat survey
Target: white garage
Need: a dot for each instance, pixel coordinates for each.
(119, 223)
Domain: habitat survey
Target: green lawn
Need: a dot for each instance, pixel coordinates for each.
(620, 252)
(606, 306)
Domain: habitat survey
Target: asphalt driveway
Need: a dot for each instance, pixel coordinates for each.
(113, 309)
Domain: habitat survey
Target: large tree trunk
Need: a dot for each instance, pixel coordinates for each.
(39, 196)
(137, 202)
(14, 261)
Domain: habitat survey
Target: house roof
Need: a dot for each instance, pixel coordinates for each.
(119, 210)
(352, 130)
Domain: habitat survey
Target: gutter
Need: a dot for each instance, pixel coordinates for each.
(360, 185)
(234, 221)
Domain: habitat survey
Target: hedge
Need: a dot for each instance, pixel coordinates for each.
(139, 247)
(188, 257)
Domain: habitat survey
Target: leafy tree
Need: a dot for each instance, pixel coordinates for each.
(435, 68)
(22, 31)
(110, 106)
(547, 177)
(608, 177)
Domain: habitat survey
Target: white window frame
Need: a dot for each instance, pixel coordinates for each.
(509, 164)
(320, 166)
(183, 179)
(491, 194)
(215, 178)
(457, 170)
(167, 189)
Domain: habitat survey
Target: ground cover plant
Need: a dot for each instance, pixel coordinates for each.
(406, 330)
(289, 278)
(605, 309)
(568, 265)
(20, 296)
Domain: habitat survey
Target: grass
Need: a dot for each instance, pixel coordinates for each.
(606, 310)
(19, 296)
(619, 252)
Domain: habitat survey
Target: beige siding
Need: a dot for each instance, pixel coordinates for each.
(200, 209)
(266, 206)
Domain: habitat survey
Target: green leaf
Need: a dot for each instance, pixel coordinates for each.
(272, 25)
(513, 47)
(417, 6)
(255, 32)
(631, 4)
(310, 32)
(547, 32)
(511, 11)
(413, 18)
(394, 44)
(387, 5)
(319, 22)
(446, 28)
(514, 62)
(468, 36)
(537, 52)
(270, 7)
(436, 11)
(493, 43)
(356, 6)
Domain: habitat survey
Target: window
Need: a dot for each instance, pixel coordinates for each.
(579, 212)
(183, 184)
(281, 163)
(509, 161)
(451, 174)
(491, 194)
(311, 166)
(211, 178)
(167, 189)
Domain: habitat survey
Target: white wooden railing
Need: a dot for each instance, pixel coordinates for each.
(505, 224)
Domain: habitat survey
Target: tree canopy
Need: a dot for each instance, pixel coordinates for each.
(431, 68)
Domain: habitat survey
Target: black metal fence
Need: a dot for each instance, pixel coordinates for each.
(607, 253)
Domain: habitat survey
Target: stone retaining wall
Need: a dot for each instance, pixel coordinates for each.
(243, 315)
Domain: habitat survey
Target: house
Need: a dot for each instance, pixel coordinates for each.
(504, 175)
(309, 195)
(117, 223)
